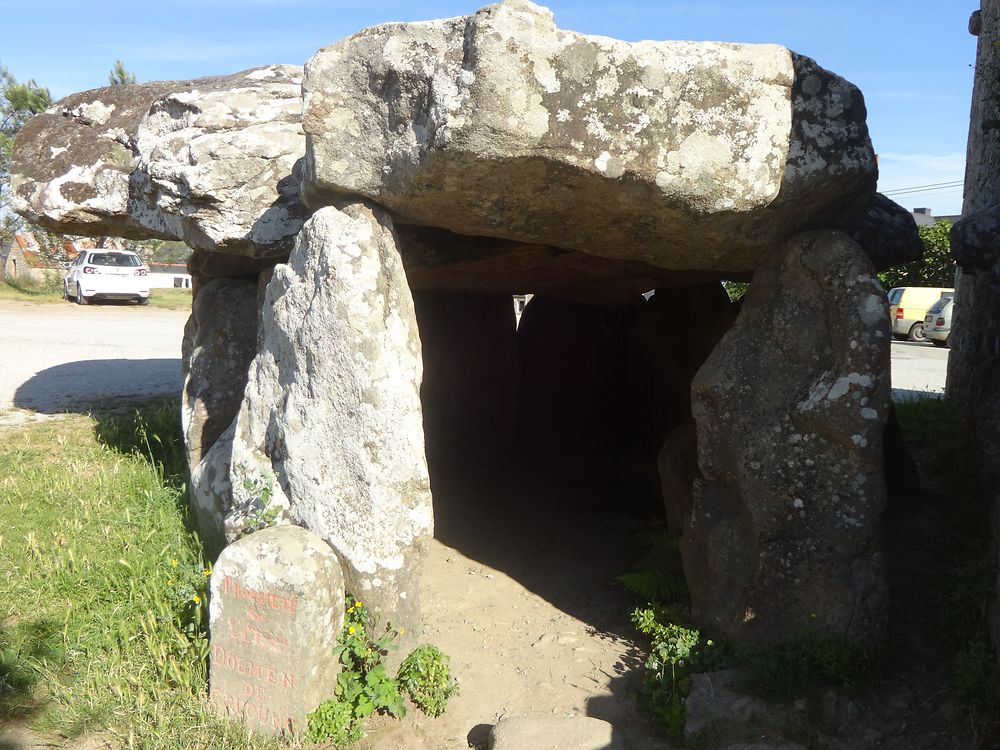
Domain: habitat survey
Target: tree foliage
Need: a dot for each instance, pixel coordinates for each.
(18, 102)
(120, 75)
(936, 268)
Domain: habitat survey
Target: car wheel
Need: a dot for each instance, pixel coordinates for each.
(80, 299)
(143, 300)
(917, 333)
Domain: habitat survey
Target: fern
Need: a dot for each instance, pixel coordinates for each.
(658, 575)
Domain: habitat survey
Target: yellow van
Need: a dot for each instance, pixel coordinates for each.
(908, 307)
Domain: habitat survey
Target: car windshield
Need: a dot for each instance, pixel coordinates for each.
(115, 259)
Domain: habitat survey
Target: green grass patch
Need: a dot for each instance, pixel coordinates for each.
(965, 585)
(51, 292)
(102, 626)
(170, 299)
(28, 291)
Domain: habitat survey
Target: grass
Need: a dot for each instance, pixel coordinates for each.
(102, 621)
(965, 587)
(163, 299)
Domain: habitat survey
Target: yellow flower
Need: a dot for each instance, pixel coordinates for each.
(350, 630)
(207, 572)
(173, 563)
(196, 599)
(170, 581)
(358, 604)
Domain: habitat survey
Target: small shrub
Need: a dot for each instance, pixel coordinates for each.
(426, 677)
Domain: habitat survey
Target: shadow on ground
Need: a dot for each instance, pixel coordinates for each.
(91, 385)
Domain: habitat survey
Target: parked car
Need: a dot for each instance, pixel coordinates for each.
(908, 307)
(937, 323)
(106, 274)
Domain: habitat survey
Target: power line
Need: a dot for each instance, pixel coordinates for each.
(922, 188)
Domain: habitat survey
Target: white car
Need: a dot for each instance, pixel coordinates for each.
(937, 324)
(106, 274)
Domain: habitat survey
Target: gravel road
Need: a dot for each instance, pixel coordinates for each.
(58, 358)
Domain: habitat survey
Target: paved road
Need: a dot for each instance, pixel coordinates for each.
(57, 358)
(918, 367)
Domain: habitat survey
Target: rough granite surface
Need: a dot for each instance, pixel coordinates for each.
(207, 161)
(783, 537)
(500, 124)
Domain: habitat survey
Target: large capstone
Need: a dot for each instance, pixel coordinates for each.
(783, 538)
(329, 434)
(685, 155)
(207, 161)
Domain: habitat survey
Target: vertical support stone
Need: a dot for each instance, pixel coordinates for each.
(973, 386)
(276, 610)
(220, 343)
(783, 537)
(471, 372)
(573, 406)
(329, 435)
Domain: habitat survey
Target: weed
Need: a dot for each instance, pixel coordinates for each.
(426, 678)
(363, 687)
(657, 576)
(677, 651)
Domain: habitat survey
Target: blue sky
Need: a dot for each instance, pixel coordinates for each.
(913, 60)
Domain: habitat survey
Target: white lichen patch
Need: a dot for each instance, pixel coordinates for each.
(96, 112)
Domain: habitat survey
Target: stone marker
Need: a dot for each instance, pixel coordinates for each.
(277, 607)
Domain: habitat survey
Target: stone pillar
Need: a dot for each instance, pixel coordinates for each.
(329, 435)
(573, 404)
(783, 537)
(671, 337)
(974, 363)
(471, 372)
(220, 342)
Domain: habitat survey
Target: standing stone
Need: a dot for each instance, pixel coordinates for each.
(471, 372)
(783, 536)
(973, 386)
(221, 341)
(671, 337)
(330, 424)
(573, 405)
(276, 610)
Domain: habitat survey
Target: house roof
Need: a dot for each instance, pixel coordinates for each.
(34, 260)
